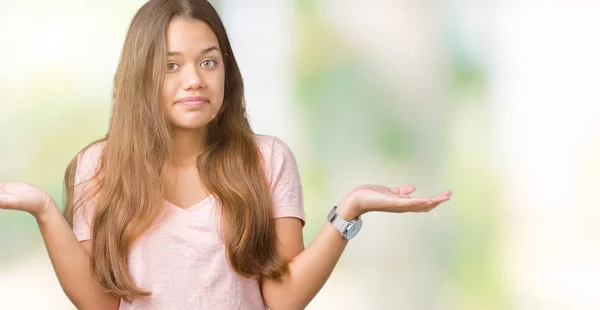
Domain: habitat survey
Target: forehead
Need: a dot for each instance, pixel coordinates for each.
(187, 35)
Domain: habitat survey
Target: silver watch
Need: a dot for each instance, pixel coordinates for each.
(348, 229)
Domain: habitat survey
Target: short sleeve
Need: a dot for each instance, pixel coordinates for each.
(87, 163)
(285, 182)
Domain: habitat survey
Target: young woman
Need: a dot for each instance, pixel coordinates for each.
(181, 205)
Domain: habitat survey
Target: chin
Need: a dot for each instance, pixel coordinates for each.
(190, 123)
(188, 126)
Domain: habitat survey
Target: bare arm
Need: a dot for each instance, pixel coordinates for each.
(310, 268)
(69, 257)
(71, 262)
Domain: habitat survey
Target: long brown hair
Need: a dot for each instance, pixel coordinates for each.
(130, 179)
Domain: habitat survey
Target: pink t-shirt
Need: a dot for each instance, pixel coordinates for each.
(182, 259)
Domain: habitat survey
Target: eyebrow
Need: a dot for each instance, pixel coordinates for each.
(204, 51)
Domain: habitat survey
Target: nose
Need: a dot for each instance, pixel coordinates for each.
(192, 78)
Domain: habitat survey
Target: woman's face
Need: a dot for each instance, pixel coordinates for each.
(193, 90)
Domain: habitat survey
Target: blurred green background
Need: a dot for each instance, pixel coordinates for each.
(494, 100)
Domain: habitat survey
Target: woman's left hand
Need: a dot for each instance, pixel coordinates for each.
(370, 198)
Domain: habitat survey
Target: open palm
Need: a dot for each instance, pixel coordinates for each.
(369, 198)
(23, 197)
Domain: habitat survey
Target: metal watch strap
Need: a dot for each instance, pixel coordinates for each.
(337, 221)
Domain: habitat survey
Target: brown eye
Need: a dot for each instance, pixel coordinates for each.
(209, 63)
(172, 66)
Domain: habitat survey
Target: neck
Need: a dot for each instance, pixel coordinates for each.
(187, 145)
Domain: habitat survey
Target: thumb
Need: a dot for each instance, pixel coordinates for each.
(404, 190)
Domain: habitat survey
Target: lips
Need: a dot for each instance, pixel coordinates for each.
(195, 101)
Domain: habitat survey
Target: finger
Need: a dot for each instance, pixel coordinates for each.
(419, 204)
(424, 202)
(394, 203)
(403, 190)
(427, 208)
(444, 196)
(436, 201)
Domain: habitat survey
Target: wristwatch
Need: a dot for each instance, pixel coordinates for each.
(348, 229)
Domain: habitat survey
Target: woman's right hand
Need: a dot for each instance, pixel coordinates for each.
(24, 197)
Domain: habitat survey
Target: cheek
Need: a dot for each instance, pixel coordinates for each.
(220, 86)
(169, 90)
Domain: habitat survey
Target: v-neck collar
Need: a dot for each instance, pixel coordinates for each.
(196, 205)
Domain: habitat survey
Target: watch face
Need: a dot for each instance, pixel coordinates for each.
(353, 229)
